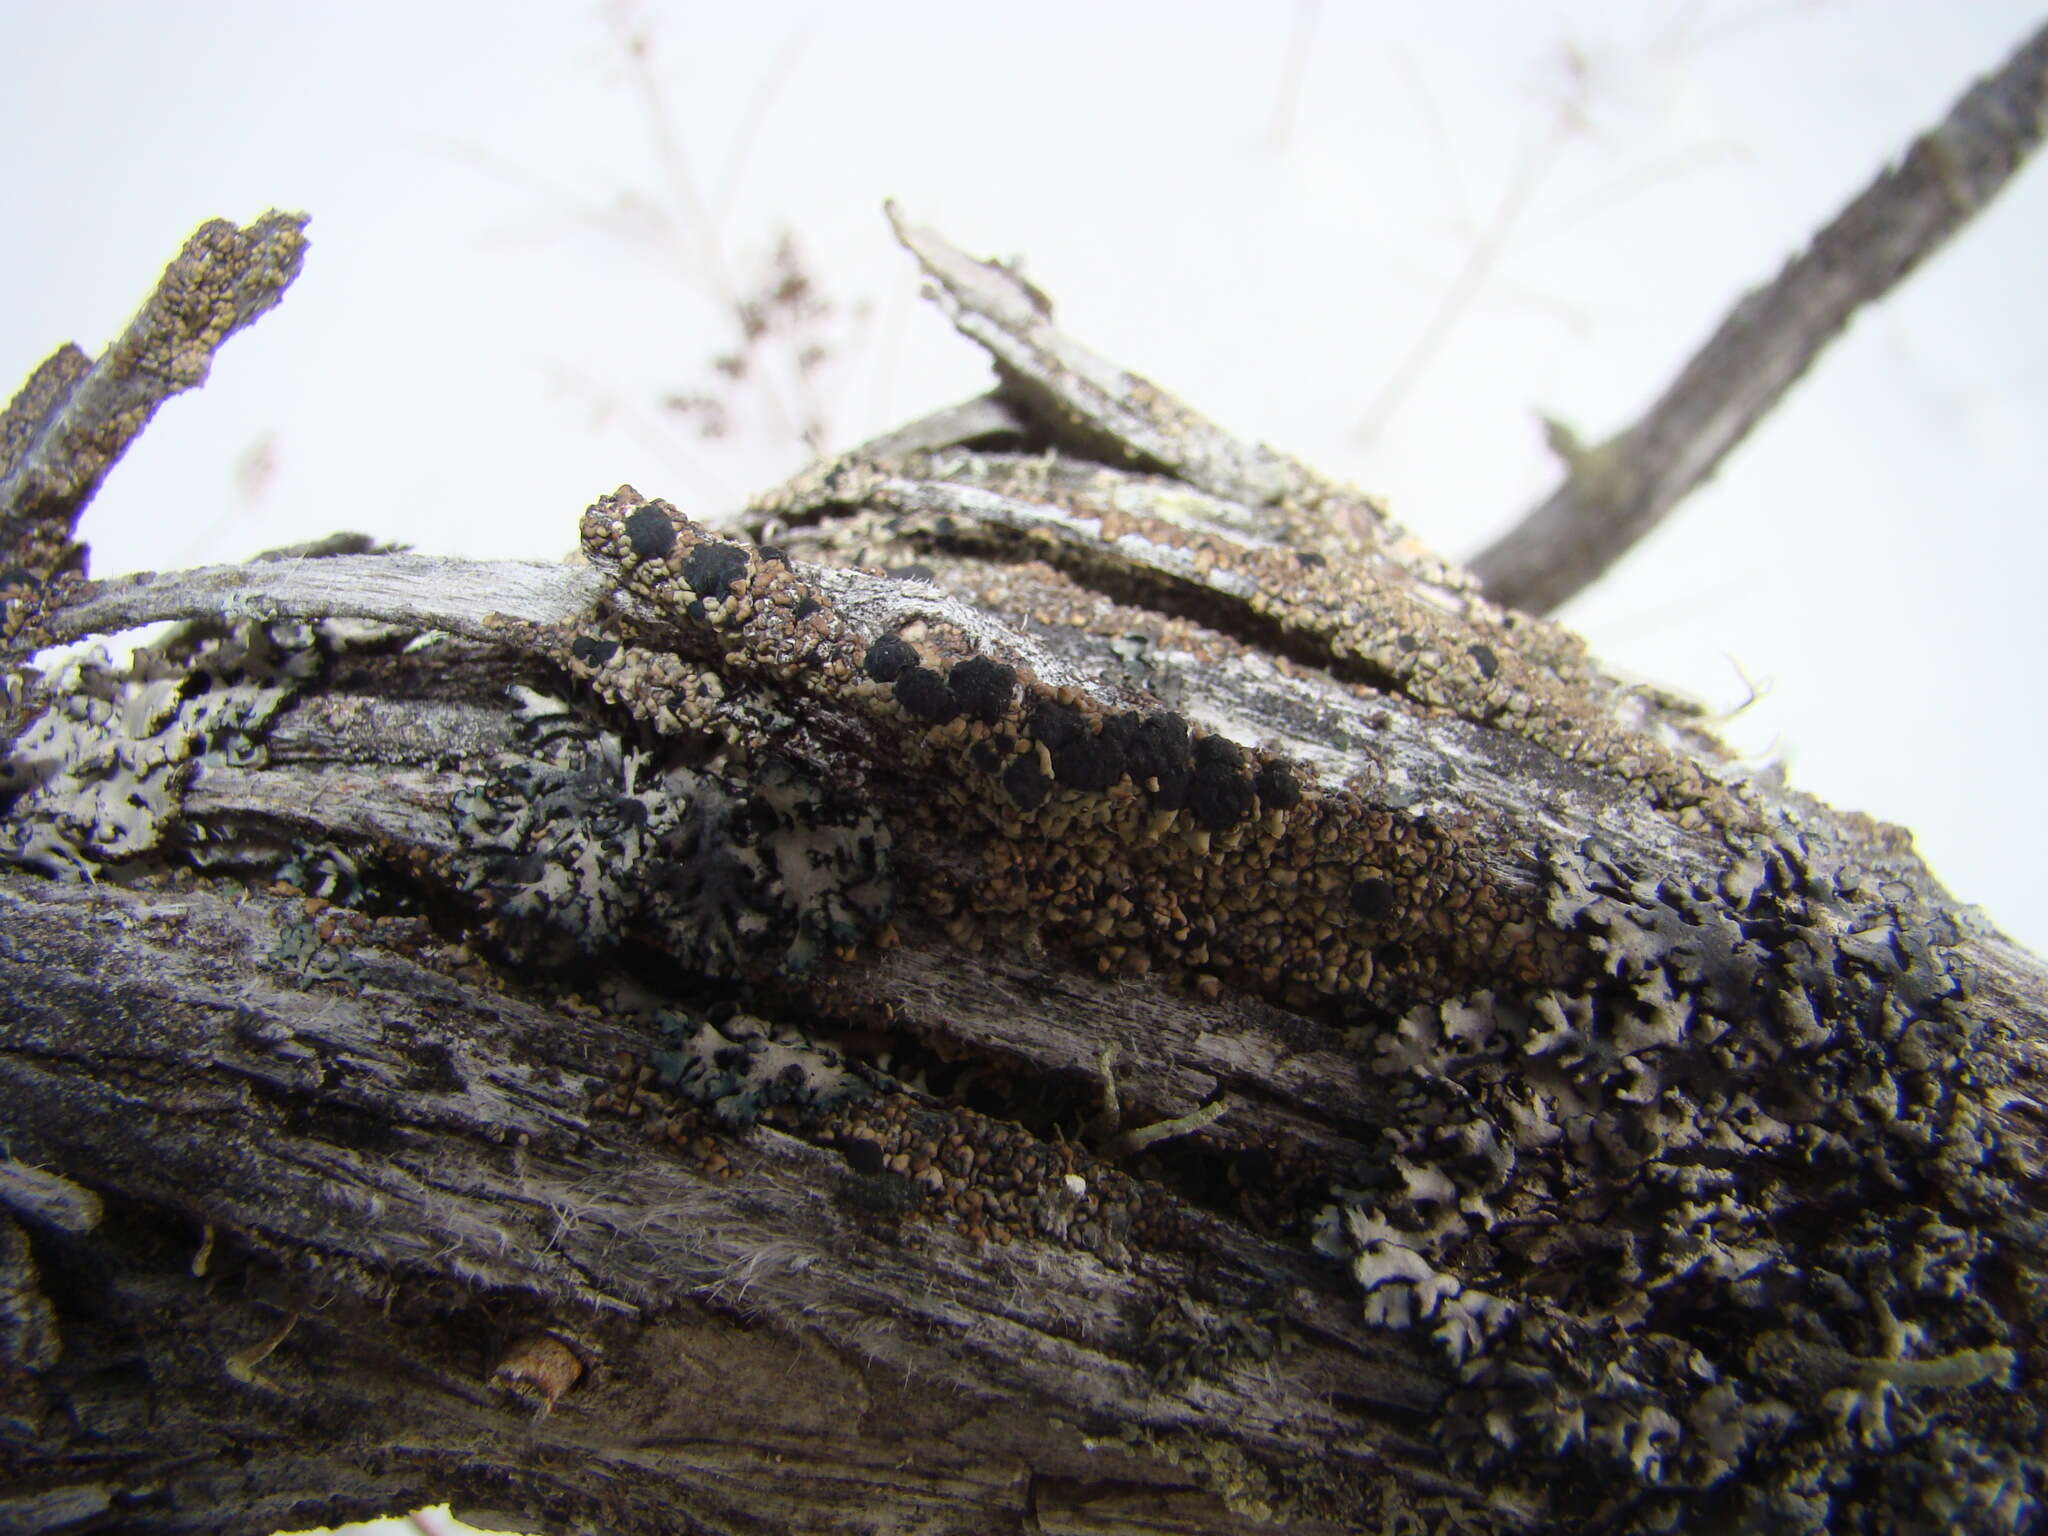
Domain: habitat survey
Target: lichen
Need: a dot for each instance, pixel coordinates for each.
(742, 1067)
(1730, 1204)
(579, 843)
(96, 776)
(1415, 630)
(1113, 825)
(1686, 1162)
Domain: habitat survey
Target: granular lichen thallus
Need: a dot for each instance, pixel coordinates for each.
(1697, 1183)
(1675, 1129)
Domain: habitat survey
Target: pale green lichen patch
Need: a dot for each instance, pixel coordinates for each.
(95, 777)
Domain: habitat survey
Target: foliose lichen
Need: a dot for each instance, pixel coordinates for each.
(743, 1067)
(95, 778)
(1734, 1202)
(580, 842)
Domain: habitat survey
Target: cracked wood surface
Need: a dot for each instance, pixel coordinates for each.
(619, 1046)
(1617, 491)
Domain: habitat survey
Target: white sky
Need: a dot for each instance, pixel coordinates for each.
(506, 280)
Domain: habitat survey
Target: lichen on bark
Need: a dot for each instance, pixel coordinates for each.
(717, 949)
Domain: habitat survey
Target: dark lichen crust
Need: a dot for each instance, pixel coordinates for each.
(1693, 1178)
(1729, 1222)
(1106, 823)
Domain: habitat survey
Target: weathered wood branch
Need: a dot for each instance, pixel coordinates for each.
(1616, 492)
(624, 1046)
(75, 418)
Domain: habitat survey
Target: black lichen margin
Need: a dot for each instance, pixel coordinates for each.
(1372, 898)
(1278, 788)
(1160, 756)
(713, 567)
(983, 687)
(1221, 795)
(888, 656)
(1055, 723)
(651, 533)
(1082, 759)
(1090, 762)
(924, 695)
(1026, 782)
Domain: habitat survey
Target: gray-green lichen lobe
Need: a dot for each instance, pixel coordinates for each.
(94, 775)
(1731, 1219)
(578, 843)
(739, 1067)
(1688, 1129)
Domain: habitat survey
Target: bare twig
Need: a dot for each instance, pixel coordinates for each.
(426, 591)
(1300, 40)
(689, 212)
(1482, 260)
(1619, 490)
(770, 85)
(970, 421)
(43, 1196)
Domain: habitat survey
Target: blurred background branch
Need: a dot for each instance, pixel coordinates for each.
(1617, 491)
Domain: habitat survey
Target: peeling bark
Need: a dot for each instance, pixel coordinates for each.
(683, 1042)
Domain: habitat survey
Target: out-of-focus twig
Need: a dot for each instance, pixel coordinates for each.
(766, 89)
(1300, 40)
(690, 217)
(1489, 246)
(72, 420)
(1617, 491)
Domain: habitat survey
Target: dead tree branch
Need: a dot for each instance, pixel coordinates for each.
(624, 1047)
(74, 419)
(1614, 493)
